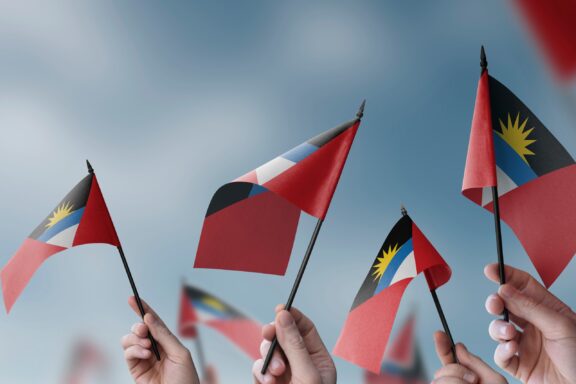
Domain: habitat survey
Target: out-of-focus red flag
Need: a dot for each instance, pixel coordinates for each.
(200, 307)
(553, 22)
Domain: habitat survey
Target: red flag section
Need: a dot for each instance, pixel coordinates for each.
(81, 218)
(406, 252)
(553, 24)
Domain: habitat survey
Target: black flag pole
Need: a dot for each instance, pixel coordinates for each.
(496, 214)
(132, 284)
(302, 269)
(439, 309)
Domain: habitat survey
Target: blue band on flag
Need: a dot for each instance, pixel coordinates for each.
(511, 163)
(70, 220)
(300, 152)
(393, 266)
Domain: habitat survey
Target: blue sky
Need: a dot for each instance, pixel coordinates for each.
(171, 100)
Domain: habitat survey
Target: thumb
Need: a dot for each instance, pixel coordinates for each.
(170, 343)
(547, 320)
(293, 345)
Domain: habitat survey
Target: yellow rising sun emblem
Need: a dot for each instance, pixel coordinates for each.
(516, 136)
(62, 211)
(213, 303)
(383, 261)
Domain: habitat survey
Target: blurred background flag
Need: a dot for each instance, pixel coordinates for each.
(403, 363)
(405, 253)
(87, 363)
(515, 162)
(553, 24)
(251, 222)
(199, 307)
(80, 218)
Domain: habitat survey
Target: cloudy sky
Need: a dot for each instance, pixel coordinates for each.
(170, 100)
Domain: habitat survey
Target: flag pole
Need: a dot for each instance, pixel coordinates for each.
(496, 205)
(132, 284)
(292, 295)
(200, 354)
(439, 308)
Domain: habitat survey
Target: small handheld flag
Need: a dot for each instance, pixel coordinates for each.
(251, 222)
(82, 217)
(518, 170)
(403, 363)
(406, 252)
(199, 307)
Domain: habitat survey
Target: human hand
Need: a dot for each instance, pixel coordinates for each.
(303, 359)
(470, 369)
(210, 376)
(541, 348)
(175, 365)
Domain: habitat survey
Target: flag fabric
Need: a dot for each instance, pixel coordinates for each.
(251, 222)
(552, 23)
(405, 253)
(87, 360)
(80, 218)
(536, 177)
(199, 307)
(403, 363)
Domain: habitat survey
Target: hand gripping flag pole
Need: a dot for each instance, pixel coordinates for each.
(303, 266)
(496, 214)
(132, 284)
(439, 309)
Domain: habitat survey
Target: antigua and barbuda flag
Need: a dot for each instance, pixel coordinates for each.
(403, 363)
(405, 253)
(251, 222)
(536, 177)
(199, 307)
(80, 218)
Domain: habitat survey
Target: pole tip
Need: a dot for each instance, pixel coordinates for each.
(90, 169)
(403, 210)
(360, 112)
(483, 61)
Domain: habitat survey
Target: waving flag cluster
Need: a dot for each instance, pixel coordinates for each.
(536, 177)
(405, 253)
(199, 307)
(251, 222)
(403, 363)
(80, 218)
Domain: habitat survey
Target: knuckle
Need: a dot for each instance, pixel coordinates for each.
(295, 341)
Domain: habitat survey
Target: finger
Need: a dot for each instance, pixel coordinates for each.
(140, 330)
(505, 357)
(477, 365)
(269, 331)
(449, 380)
(457, 370)
(277, 367)
(525, 283)
(170, 343)
(259, 378)
(443, 348)
(495, 306)
(309, 333)
(294, 347)
(131, 339)
(502, 331)
(136, 352)
(550, 322)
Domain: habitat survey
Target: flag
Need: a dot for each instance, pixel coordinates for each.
(87, 360)
(80, 218)
(403, 363)
(536, 177)
(405, 253)
(552, 23)
(251, 222)
(200, 307)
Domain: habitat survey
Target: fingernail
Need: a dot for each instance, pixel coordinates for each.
(275, 364)
(285, 319)
(470, 377)
(502, 330)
